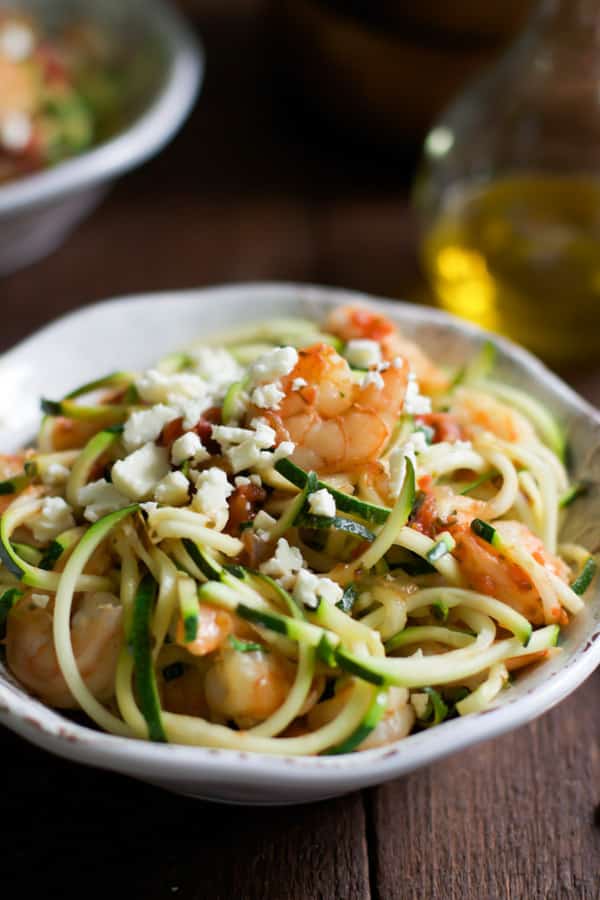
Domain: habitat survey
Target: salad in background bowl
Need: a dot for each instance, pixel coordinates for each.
(89, 91)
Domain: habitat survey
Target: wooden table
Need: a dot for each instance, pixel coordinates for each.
(250, 190)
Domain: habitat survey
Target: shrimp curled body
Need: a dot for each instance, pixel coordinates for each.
(336, 423)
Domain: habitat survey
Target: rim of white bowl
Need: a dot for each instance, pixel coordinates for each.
(171, 763)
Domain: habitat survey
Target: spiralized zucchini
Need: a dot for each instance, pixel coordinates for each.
(295, 538)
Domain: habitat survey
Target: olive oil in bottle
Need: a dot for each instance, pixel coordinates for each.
(521, 255)
(508, 194)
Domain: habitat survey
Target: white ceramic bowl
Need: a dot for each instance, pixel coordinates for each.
(165, 66)
(135, 331)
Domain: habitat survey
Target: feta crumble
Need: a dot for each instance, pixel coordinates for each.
(188, 446)
(372, 377)
(309, 589)
(56, 473)
(138, 474)
(284, 565)
(361, 354)
(16, 41)
(172, 490)
(274, 364)
(397, 460)
(15, 131)
(217, 366)
(415, 403)
(321, 503)
(40, 600)
(212, 491)
(299, 383)
(156, 387)
(99, 499)
(145, 425)
(267, 396)
(55, 517)
(262, 524)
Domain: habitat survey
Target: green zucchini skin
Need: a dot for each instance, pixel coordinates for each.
(585, 577)
(369, 512)
(145, 678)
(336, 523)
(372, 718)
(15, 484)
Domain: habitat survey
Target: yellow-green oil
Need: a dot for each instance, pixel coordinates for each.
(521, 256)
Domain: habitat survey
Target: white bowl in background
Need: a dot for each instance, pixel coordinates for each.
(166, 66)
(137, 330)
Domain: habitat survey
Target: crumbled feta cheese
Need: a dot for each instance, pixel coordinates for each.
(156, 387)
(262, 524)
(242, 446)
(264, 435)
(145, 425)
(243, 456)
(15, 131)
(284, 565)
(212, 491)
(309, 589)
(241, 481)
(299, 383)
(100, 498)
(267, 459)
(217, 366)
(137, 475)
(363, 353)
(188, 446)
(398, 362)
(55, 517)
(227, 435)
(267, 396)
(321, 503)
(149, 507)
(274, 364)
(16, 41)
(372, 377)
(415, 404)
(397, 460)
(40, 600)
(56, 473)
(172, 490)
(256, 479)
(420, 703)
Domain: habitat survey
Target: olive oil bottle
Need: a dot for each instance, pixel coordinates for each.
(509, 193)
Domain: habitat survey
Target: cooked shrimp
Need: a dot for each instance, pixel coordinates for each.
(396, 723)
(335, 423)
(489, 571)
(10, 464)
(247, 686)
(355, 322)
(214, 626)
(96, 636)
(475, 410)
(185, 694)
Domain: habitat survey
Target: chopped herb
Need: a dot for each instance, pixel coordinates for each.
(440, 610)
(244, 646)
(584, 579)
(436, 711)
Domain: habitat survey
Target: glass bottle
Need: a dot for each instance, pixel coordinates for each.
(509, 193)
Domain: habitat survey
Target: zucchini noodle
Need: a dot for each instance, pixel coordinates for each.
(281, 540)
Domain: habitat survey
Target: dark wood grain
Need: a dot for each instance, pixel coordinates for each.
(513, 818)
(250, 189)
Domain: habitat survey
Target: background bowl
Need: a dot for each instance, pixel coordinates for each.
(164, 70)
(100, 338)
